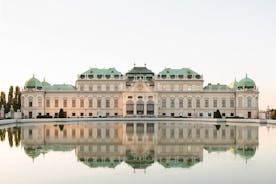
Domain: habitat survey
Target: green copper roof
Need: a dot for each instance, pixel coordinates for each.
(180, 163)
(179, 72)
(62, 87)
(245, 152)
(33, 83)
(246, 83)
(99, 163)
(32, 152)
(103, 71)
(216, 87)
(140, 70)
(45, 84)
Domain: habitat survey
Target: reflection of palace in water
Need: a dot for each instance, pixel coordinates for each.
(140, 144)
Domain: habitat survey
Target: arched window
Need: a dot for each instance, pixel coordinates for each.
(130, 107)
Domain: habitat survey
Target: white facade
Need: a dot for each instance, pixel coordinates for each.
(140, 94)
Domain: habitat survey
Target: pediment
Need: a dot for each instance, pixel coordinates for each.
(140, 87)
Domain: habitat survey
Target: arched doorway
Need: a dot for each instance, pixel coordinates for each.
(150, 107)
(140, 107)
(129, 107)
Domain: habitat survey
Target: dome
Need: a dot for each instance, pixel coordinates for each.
(33, 83)
(45, 84)
(246, 83)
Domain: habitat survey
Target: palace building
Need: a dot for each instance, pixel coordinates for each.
(140, 93)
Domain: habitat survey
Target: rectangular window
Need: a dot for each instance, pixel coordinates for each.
(30, 104)
(90, 133)
(73, 114)
(107, 134)
(65, 133)
(172, 103)
(90, 103)
(197, 103)
(181, 133)
(30, 132)
(90, 114)
(240, 102)
(249, 102)
(47, 133)
(215, 103)
(64, 103)
(73, 133)
(81, 133)
(206, 104)
(180, 103)
(116, 133)
(189, 103)
(81, 103)
(99, 103)
(56, 102)
(90, 88)
(107, 103)
(116, 103)
(56, 133)
(107, 88)
(164, 103)
(99, 88)
(73, 103)
(206, 133)
(223, 103)
(99, 133)
(47, 103)
(232, 103)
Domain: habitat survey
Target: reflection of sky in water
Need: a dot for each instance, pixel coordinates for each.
(217, 166)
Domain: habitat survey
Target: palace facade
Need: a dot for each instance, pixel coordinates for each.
(140, 144)
(140, 92)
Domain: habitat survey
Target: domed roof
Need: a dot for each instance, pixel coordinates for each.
(246, 83)
(33, 83)
(45, 84)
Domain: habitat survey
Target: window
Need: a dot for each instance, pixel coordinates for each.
(73, 114)
(232, 103)
(172, 103)
(30, 103)
(73, 133)
(39, 102)
(30, 132)
(73, 103)
(81, 87)
(99, 103)
(81, 114)
(107, 88)
(65, 133)
(164, 103)
(116, 103)
(56, 102)
(81, 133)
(64, 103)
(90, 133)
(223, 103)
(99, 132)
(215, 103)
(90, 103)
(198, 103)
(107, 133)
(56, 133)
(90, 114)
(189, 103)
(47, 133)
(47, 103)
(181, 103)
(240, 102)
(181, 133)
(99, 88)
(90, 88)
(249, 102)
(206, 104)
(82, 103)
(107, 103)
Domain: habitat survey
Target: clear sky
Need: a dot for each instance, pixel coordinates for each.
(58, 39)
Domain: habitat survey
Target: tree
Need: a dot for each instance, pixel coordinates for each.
(61, 114)
(2, 99)
(217, 114)
(273, 113)
(10, 99)
(17, 99)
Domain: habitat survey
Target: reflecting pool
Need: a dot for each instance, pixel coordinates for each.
(149, 152)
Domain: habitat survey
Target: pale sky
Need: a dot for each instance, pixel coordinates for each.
(59, 39)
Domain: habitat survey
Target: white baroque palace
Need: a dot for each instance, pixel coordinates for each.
(140, 92)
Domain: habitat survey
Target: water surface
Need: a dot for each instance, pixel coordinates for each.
(138, 153)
